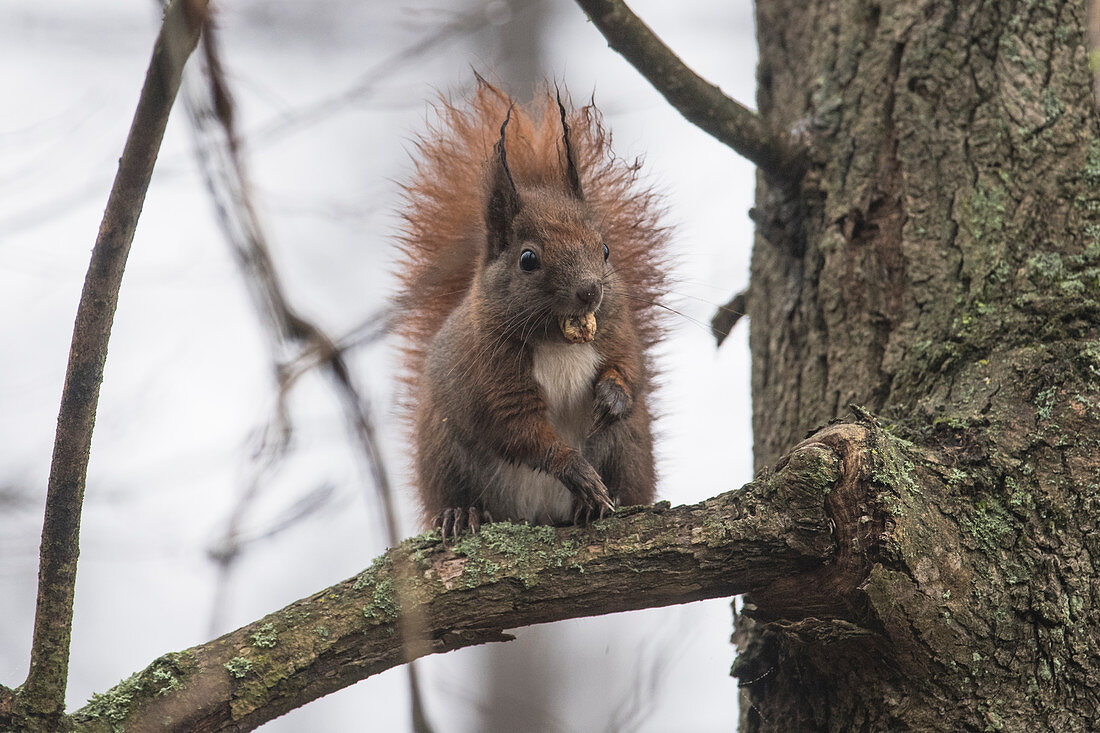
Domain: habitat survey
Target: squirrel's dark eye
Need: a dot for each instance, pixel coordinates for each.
(606, 253)
(528, 261)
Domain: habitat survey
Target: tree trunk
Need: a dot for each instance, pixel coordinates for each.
(939, 266)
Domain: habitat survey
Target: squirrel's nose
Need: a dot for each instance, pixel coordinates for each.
(589, 295)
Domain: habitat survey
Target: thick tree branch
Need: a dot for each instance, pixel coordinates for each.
(701, 102)
(776, 538)
(44, 691)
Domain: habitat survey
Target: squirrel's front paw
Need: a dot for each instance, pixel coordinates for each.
(612, 401)
(453, 521)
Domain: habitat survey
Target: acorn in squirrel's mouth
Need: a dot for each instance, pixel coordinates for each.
(578, 329)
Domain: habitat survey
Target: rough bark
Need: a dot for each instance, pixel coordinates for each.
(514, 575)
(941, 267)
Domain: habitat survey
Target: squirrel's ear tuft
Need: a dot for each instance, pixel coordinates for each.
(503, 201)
(572, 178)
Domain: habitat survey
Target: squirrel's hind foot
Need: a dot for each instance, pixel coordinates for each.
(453, 521)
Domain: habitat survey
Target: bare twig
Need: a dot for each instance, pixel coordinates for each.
(701, 102)
(373, 328)
(465, 23)
(229, 547)
(44, 691)
(284, 125)
(219, 148)
(722, 323)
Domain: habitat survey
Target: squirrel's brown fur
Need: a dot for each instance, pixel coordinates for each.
(478, 331)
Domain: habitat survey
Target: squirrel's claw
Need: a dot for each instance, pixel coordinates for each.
(580, 513)
(596, 501)
(584, 483)
(446, 523)
(453, 521)
(584, 513)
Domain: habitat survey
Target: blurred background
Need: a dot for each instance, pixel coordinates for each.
(190, 527)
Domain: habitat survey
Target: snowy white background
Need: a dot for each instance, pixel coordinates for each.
(188, 379)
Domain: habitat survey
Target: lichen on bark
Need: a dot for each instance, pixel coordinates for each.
(949, 284)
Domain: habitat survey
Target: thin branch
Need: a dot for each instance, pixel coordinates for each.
(465, 23)
(223, 167)
(372, 329)
(701, 102)
(220, 151)
(727, 316)
(292, 122)
(44, 691)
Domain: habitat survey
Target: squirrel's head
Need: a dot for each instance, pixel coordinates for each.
(545, 258)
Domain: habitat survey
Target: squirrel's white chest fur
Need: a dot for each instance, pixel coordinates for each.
(565, 374)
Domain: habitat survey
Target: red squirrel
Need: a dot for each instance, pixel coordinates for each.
(532, 262)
